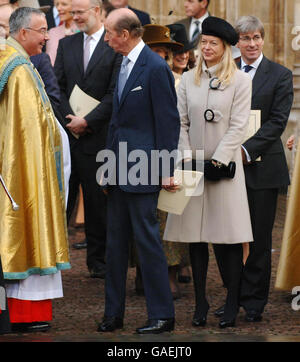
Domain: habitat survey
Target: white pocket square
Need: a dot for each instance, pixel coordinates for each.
(136, 89)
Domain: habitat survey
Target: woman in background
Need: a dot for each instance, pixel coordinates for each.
(68, 27)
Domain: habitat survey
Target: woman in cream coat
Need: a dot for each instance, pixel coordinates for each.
(221, 214)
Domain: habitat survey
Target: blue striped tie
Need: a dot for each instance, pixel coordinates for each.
(247, 68)
(123, 76)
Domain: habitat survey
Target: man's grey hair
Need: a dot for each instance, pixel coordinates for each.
(249, 24)
(21, 18)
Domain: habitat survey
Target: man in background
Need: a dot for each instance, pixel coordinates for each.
(143, 16)
(265, 165)
(196, 11)
(85, 60)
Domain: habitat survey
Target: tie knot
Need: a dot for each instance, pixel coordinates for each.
(247, 68)
(197, 22)
(88, 39)
(125, 62)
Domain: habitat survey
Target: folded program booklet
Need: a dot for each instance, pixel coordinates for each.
(81, 103)
(175, 202)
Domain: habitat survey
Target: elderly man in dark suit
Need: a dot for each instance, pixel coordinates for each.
(196, 11)
(84, 59)
(264, 160)
(145, 119)
(142, 15)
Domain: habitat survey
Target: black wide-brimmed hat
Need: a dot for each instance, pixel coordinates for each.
(178, 34)
(220, 28)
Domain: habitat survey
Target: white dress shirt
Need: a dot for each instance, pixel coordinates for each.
(254, 65)
(55, 16)
(193, 25)
(133, 56)
(252, 73)
(94, 40)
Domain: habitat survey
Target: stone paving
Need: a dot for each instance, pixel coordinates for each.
(75, 316)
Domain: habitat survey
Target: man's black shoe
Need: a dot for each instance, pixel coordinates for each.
(225, 323)
(220, 311)
(156, 326)
(30, 327)
(109, 324)
(97, 271)
(80, 245)
(253, 316)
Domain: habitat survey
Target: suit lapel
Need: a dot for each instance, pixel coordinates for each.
(138, 68)
(260, 76)
(78, 51)
(97, 54)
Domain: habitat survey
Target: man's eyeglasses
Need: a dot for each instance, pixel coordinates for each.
(247, 39)
(41, 31)
(80, 12)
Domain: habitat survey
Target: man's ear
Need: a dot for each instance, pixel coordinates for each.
(22, 35)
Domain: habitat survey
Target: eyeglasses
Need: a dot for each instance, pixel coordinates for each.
(80, 12)
(247, 39)
(41, 31)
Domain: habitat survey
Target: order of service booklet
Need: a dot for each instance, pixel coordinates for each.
(175, 202)
(81, 103)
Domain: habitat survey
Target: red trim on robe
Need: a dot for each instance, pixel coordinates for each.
(28, 311)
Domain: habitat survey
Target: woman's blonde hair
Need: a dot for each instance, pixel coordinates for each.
(226, 69)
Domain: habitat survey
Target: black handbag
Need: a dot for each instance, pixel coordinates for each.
(211, 172)
(217, 172)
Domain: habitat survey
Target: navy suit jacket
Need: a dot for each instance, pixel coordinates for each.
(272, 93)
(98, 81)
(146, 117)
(43, 65)
(144, 17)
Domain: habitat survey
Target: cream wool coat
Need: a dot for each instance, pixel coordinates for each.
(221, 214)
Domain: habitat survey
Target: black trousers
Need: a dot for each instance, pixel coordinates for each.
(84, 168)
(230, 257)
(4, 315)
(256, 277)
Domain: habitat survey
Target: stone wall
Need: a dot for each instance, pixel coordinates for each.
(278, 16)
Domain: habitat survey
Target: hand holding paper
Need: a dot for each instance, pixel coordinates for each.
(77, 125)
(186, 183)
(170, 185)
(81, 104)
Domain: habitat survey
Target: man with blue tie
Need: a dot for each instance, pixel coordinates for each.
(145, 119)
(265, 165)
